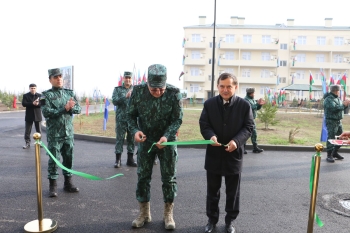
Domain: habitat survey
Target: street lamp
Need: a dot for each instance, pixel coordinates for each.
(213, 59)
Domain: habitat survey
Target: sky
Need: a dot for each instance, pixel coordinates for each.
(104, 38)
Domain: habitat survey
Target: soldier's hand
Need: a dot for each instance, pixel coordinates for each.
(139, 137)
(215, 140)
(231, 146)
(161, 140)
(261, 101)
(346, 102)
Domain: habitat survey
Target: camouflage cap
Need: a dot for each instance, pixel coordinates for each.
(127, 74)
(157, 76)
(250, 90)
(55, 72)
(335, 88)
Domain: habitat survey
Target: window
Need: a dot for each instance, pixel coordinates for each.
(301, 57)
(229, 55)
(211, 45)
(194, 88)
(230, 38)
(338, 40)
(265, 56)
(229, 70)
(266, 39)
(196, 55)
(246, 73)
(247, 39)
(301, 40)
(283, 46)
(336, 75)
(319, 57)
(196, 38)
(338, 58)
(243, 89)
(265, 74)
(246, 56)
(194, 72)
(263, 90)
(321, 40)
(318, 76)
(299, 75)
(209, 60)
(282, 79)
(283, 63)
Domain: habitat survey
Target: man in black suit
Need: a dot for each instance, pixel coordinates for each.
(33, 113)
(227, 120)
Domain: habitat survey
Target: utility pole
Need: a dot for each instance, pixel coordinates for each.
(213, 58)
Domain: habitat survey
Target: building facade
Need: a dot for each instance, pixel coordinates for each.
(264, 57)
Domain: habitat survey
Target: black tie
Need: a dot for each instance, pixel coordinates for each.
(226, 105)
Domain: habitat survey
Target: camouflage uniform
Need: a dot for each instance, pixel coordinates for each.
(155, 117)
(255, 107)
(334, 112)
(120, 101)
(60, 131)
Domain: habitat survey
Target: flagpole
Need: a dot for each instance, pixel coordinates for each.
(213, 59)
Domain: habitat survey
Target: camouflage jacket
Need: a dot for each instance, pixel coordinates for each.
(155, 117)
(253, 104)
(120, 101)
(333, 107)
(58, 121)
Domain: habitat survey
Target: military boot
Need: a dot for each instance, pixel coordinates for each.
(69, 186)
(131, 162)
(168, 216)
(53, 188)
(245, 152)
(144, 215)
(256, 149)
(118, 162)
(330, 158)
(336, 155)
(26, 146)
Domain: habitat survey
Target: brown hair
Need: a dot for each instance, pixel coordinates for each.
(224, 76)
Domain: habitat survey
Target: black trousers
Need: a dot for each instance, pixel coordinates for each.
(232, 183)
(28, 130)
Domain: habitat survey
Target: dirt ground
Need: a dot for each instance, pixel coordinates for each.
(5, 108)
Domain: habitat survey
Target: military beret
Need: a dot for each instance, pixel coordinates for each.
(157, 76)
(127, 74)
(250, 90)
(335, 88)
(54, 72)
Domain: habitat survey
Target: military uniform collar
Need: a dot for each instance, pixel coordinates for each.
(57, 88)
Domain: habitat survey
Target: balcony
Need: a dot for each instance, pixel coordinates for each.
(250, 63)
(257, 80)
(195, 62)
(197, 79)
(321, 48)
(244, 46)
(195, 45)
(317, 65)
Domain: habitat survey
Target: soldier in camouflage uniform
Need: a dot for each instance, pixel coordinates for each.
(334, 112)
(255, 105)
(155, 115)
(120, 99)
(58, 107)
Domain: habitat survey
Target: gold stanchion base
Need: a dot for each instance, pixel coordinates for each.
(48, 225)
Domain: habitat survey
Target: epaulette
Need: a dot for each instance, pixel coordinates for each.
(172, 88)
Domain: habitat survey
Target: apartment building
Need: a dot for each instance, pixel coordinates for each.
(264, 57)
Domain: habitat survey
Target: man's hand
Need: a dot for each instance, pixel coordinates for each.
(161, 140)
(36, 102)
(346, 102)
(231, 146)
(261, 101)
(70, 104)
(344, 136)
(215, 140)
(139, 137)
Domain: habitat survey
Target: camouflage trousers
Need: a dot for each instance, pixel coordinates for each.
(120, 131)
(167, 160)
(254, 135)
(334, 128)
(57, 147)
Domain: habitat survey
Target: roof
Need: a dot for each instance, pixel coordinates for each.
(300, 87)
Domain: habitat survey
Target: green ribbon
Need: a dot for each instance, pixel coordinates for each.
(82, 174)
(318, 221)
(184, 143)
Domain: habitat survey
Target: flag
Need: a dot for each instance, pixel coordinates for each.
(183, 42)
(294, 45)
(144, 79)
(87, 106)
(324, 132)
(105, 118)
(278, 62)
(120, 82)
(14, 103)
(278, 80)
(331, 81)
(138, 77)
(343, 83)
(183, 59)
(182, 73)
(311, 82)
(324, 84)
(293, 75)
(294, 59)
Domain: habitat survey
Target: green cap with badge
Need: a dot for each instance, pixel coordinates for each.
(157, 76)
(55, 72)
(127, 74)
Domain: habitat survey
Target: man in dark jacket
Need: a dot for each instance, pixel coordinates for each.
(227, 120)
(33, 113)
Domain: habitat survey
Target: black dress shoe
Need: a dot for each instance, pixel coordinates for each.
(209, 227)
(230, 228)
(26, 146)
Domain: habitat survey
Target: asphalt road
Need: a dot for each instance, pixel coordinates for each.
(275, 193)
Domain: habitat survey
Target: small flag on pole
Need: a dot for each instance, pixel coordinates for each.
(105, 118)
(182, 73)
(311, 82)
